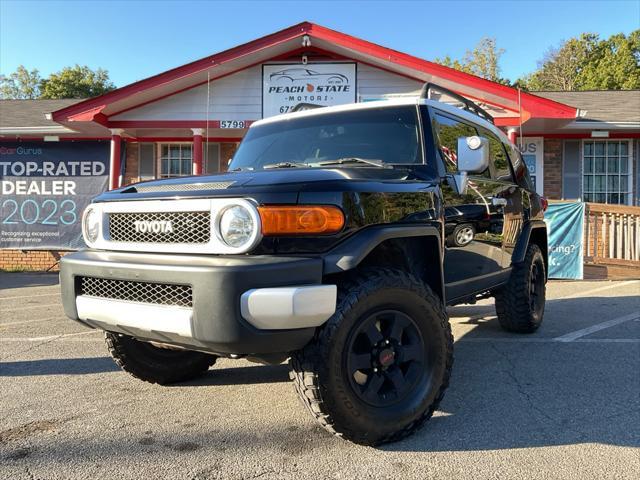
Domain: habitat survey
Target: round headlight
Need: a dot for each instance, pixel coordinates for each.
(237, 227)
(91, 225)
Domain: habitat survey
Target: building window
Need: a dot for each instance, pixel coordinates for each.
(606, 173)
(175, 160)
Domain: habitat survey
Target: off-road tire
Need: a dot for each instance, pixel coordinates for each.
(155, 364)
(320, 372)
(517, 311)
(453, 238)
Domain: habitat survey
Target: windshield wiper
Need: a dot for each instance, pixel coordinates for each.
(284, 165)
(347, 160)
(241, 169)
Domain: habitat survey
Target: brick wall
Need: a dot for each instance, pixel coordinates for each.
(33, 260)
(553, 168)
(131, 164)
(226, 152)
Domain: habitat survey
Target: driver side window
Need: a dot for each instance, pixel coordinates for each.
(447, 131)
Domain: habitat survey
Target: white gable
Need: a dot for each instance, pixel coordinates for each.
(239, 96)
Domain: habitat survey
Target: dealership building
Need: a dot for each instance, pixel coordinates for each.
(189, 121)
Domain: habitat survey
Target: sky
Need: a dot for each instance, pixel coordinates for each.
(137, 39)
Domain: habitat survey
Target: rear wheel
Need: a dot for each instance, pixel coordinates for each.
(463, 235)
(520, 303)
(378, 368)
(155, 364)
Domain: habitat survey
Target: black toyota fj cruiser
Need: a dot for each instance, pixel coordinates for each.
(325, 243)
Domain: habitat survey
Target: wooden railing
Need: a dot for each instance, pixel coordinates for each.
(612, 234)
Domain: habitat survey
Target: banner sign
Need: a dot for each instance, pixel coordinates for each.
(45, 188)
(532, 149)
(285, 86)
(565, 226)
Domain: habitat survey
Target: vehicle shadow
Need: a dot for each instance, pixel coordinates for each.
(20, 280)
(61, 366)
(518, 391)
(248, 375)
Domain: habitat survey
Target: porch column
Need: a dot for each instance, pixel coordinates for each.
(114, 163)
(197, 151)
(513, 135)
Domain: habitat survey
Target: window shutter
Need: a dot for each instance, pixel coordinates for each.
(572, 173)
(212, 157)
(146, 161)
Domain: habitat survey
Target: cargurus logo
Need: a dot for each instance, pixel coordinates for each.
(153, 226)
(20, 151)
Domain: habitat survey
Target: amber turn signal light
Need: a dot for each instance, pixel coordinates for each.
(301, 219)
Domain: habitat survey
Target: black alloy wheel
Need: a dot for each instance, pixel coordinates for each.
(385, 358)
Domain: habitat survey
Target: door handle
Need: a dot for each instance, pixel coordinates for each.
(497, 201)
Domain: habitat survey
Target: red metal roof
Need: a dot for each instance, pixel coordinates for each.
(277, 44)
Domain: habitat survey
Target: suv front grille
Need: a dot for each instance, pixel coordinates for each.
(144, 292)
(160, 227)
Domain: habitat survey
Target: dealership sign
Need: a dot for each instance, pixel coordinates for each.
(286, 85)
(45, 187)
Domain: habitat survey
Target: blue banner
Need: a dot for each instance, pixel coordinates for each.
(565, 226)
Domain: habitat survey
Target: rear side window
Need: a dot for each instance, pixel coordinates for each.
(498, 159)
(447, 131)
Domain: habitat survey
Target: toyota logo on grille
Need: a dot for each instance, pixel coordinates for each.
(153, 226)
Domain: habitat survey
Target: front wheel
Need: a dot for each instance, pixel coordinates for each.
(520, 303)
(377, 370)
(155, 364)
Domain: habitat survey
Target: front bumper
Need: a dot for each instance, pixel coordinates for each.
(231, 298)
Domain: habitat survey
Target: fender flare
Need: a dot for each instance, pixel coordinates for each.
(348, 254)
(523, 243)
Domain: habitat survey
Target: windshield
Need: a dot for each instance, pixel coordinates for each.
(386, 135)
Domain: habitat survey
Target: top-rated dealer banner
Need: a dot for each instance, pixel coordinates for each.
(285, 86)
(45, 187)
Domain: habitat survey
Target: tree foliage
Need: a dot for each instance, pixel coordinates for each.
(21, 84)
(76, 82)
(483, 61)
(71, 82)
(589, 63)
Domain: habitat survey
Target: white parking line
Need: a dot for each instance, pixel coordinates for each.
(32, 306)
(35, 320)
(48, 337)
(587, 293)
(544, 340)
(30, 296)
(572, 336)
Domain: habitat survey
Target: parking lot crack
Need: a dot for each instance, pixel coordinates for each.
(522, 391)
(32, 347)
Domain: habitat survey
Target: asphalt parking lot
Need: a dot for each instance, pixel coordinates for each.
(562, 403)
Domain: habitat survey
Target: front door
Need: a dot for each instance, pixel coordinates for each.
(480, 224)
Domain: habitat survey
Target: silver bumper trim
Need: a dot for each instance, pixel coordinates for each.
(288, 307)
(105, 312)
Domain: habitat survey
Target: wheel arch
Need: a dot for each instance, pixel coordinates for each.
(414, 249)
(533, 232)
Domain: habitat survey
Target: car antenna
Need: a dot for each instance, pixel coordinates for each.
(206, 140)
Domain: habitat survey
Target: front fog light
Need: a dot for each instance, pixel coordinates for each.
(91, 225)
(237, 226)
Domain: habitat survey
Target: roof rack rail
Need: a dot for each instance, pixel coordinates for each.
(305, 106)
(467, 104)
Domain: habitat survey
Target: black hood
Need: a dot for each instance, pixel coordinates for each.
(285, 183)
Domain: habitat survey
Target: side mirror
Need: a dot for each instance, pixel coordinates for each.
(473, 157)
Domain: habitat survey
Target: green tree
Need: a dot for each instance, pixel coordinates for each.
(21, 84)
(76, 82)
(483, 61)
(589, 63)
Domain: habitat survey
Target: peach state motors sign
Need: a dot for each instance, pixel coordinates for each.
(286, 85)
